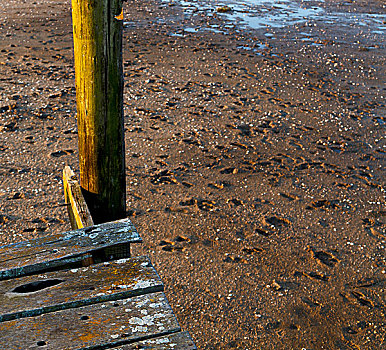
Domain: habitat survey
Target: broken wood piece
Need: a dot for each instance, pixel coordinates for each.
(77, 208)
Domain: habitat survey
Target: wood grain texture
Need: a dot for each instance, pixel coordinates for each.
(102, 242)
(99, 89)
(176, 341)
(34, 295)
(97, 326)
(77, 208)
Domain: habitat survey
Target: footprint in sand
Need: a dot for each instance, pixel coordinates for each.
(325, 258)
(58, 154)
(263, 232)
(16, 195)
(324, 204)
(6, 108)
(171, 246)
(203, 204)
(313, 275)
(229, 171)
(216, 185)
(182, 239)
(252, 250)
(276, 222)
(163, 177)
(289, 196)
(356, 297)
(361, 298)
(234, 202)
(4, 219)
(234, 259)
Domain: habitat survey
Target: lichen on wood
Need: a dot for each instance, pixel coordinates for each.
(59, 290)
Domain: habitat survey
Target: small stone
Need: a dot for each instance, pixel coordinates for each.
(224, 9)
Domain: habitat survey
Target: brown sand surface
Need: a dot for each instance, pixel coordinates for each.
(254, 164)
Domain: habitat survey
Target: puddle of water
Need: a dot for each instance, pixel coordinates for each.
(186, 30)
(258, 14)
(252, 13)
(275, 14)
(257, 49)
(195, 30)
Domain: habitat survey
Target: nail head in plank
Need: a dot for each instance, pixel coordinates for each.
(176, 341)
(40, 254)
(34, 295)
(99, 326)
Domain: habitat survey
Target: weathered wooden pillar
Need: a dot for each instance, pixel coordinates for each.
(97, 27)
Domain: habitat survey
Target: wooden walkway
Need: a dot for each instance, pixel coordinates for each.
(82, 290)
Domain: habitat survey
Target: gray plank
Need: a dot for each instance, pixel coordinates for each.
(97, 326)
(176, 341)
(53, 251)
(48, 292)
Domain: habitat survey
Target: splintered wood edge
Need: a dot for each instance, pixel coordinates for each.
(78, 210)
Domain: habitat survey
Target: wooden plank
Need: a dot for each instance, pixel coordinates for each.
(34, 295)
(103, 242)
(176, 341)
(99, 326)
(77, 208)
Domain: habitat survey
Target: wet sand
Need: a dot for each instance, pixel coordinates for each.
(254, 164)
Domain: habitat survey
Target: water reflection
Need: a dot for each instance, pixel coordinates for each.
(258, 14)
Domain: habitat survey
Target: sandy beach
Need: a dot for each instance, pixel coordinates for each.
(254, 159)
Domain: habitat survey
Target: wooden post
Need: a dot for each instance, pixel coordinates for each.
(97, 27)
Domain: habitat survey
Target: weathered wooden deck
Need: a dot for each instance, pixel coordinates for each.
(49, 299)
(82, 290)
